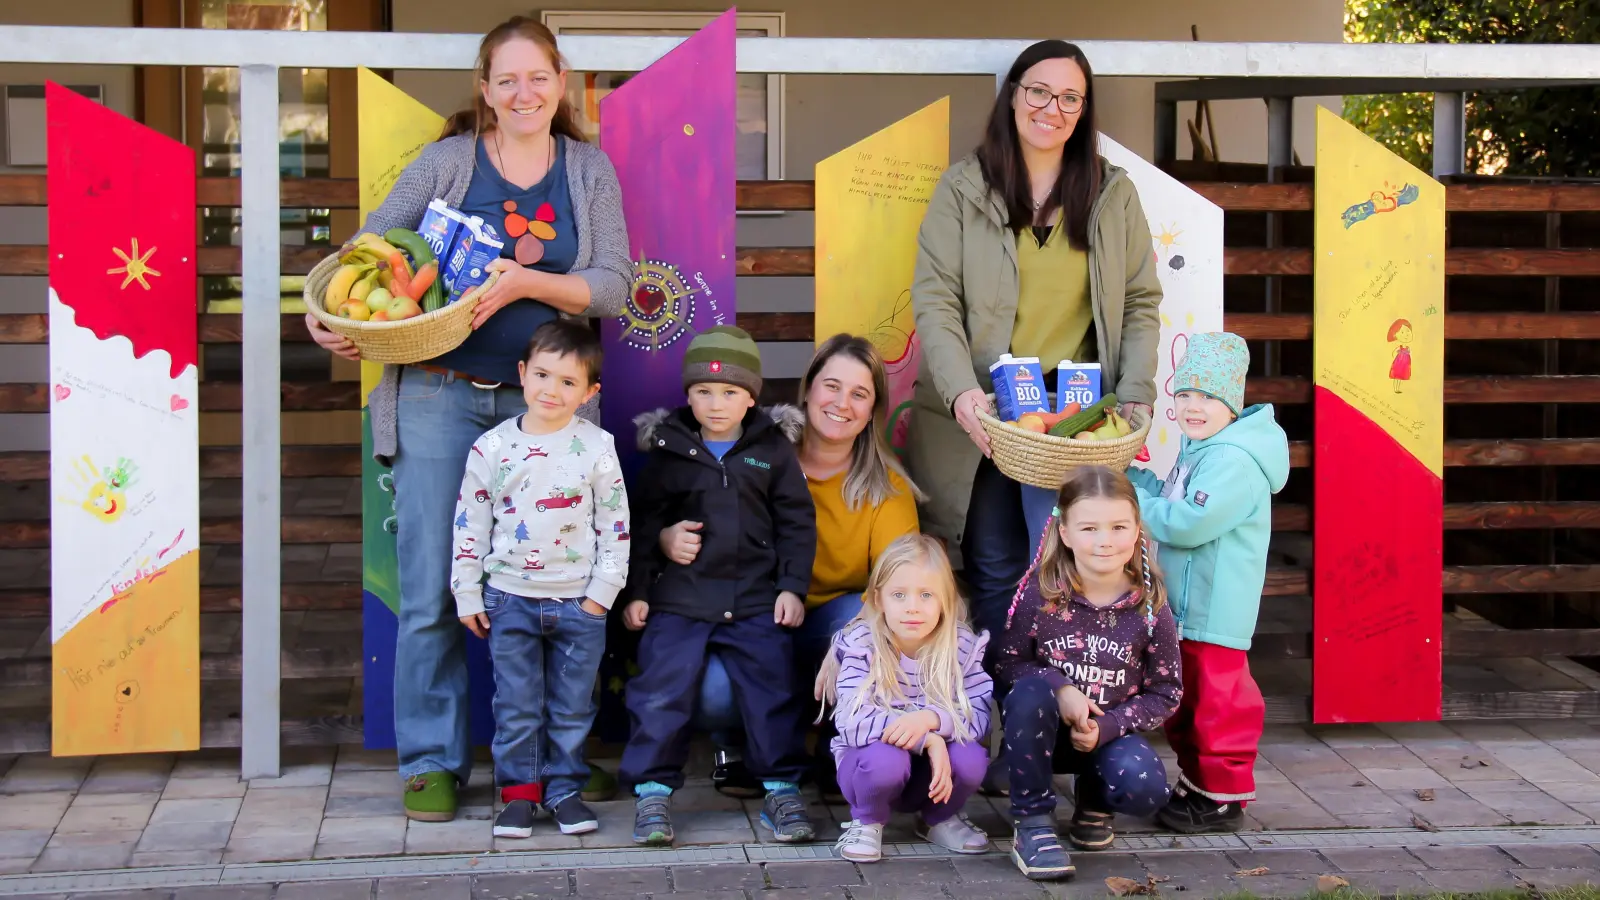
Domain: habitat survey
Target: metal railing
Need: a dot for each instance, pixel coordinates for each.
(1226, 69)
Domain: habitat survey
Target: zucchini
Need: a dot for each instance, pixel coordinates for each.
(433, 297)
(1079, 423)
(414, 245)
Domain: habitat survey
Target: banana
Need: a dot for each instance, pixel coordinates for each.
(368, 239)
(364, 287)
(360, 256)
(339, 288)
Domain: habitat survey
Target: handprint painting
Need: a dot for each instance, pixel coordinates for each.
(106, 489)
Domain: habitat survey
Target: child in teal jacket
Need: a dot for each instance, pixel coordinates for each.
(1212, 516)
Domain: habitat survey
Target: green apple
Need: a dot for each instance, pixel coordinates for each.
(379, 299)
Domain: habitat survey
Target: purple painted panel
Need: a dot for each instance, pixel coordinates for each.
(670, 131)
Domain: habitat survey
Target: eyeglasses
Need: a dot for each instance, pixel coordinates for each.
(1039, 97)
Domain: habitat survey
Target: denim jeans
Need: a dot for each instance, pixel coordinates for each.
(716, 712)
(438, 420)
(1004, 522)
(546, 655)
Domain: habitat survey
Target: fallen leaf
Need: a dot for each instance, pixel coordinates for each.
(1122, 887)
(1153, 880)
(1329, 883)
(1359, 784)
(1175, 844)
(1424, 824)
(1266, 840)
(1258, 870)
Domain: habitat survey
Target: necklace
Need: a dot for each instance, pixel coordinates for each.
(530, 233)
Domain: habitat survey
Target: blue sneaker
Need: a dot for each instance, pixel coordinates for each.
(784, 813)
(1038, 852)
(652, 820)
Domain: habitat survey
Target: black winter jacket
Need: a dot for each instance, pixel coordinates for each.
(760, 528)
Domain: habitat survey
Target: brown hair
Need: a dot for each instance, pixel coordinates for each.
(871, 459)
(1058, 571)
(568, 337)
(479, 118)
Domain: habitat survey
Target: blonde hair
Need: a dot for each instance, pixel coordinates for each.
(872, 460)
(1058, 571)
(939, 661)
(480, 118)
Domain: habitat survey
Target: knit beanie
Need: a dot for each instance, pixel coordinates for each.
(726, 355)
(1215, 364)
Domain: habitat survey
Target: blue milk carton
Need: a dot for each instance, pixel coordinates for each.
(441, 224)
(1077, 383)
(476, 246)
(1018, 387)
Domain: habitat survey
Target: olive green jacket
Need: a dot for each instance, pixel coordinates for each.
(964, 298)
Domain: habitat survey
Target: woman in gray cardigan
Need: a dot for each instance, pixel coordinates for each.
(518, 161)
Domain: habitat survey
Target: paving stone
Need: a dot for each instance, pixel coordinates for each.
(1352, 800)
(147, 894)
(23, 842)
(81, 817)
(458, 887)
(385, 828)
(1278, 884)
(29, 811)
(1405, 779)
(203, 788)
(1187, 864)
(622, 882)
(816, 893)
(1471, 880)
(302, 826)
(812, 874)
(326, 890)
(722, 878)
(892, 891)
(37, 772)
(1281, 862)
(1202, 886)
(706, 895)
(1370, 859)
(225, 892)
(1281, 817)
(213, 809)
(359, 848)
(909, 871)
(1553, 856)
(263, 799)
(1463, 857)
(185, 836)
(1395, 881)
(1554, 878)
(356, 758)
(73, 859)
(1523, 808)
(550, 840)
(364, 783)
(390, 804)
(269, 848)
(152, 858)
(448, 837)
(979, 869)
(526, 886)
(16, 865)
(128, 774)
(207, 764)
(1571, 791)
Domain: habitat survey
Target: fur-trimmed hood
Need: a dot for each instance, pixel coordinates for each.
(789, 418)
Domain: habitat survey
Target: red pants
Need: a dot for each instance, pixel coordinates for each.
(1217, 728)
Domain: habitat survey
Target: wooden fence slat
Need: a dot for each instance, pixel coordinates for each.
(35, 533)
(321, 596)
(1460, 389)
(222, 732)
(215, 396)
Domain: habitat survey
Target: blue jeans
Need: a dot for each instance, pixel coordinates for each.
(439, 418)
(1004, 522)
(546, 655)
(716, 710)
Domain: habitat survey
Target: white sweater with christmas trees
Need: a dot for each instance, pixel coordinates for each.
(542, 516)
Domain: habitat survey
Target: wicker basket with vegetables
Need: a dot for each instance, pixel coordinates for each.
(1040, 449)
(386, 296)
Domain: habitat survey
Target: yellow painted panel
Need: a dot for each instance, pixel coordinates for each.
(1379, 322)
(393, 129)
(870, 199)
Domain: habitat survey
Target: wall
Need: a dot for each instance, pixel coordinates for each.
(26, 225)
(828, 112)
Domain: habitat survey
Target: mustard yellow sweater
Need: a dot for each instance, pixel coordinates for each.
(848, 542)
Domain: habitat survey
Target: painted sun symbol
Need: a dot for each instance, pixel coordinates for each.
(1167, 237)
(135, 265)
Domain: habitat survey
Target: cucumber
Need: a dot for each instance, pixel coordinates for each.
(414, 245)
(433, 297)
(1068, 427)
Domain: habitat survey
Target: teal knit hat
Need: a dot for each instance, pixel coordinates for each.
(1215, 364)
(726, 355)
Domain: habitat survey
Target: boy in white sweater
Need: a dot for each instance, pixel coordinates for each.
(544, 516)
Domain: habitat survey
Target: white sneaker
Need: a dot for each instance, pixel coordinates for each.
(860, 842)
(958, 835)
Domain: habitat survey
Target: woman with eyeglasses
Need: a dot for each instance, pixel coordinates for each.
(1036, 246)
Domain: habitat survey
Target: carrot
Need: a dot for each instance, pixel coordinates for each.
(402, 272)
(423, 280)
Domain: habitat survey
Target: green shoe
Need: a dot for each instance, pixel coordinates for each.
(431, 797)
(602, 785)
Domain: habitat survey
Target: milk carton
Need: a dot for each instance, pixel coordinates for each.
(440, 226)
(1018, 386)
(468, 265)
(1077, 383)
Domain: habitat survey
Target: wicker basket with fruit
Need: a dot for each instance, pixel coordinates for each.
(1040, 449)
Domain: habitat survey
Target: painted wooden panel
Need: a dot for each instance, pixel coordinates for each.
(870, 200)
(1378, 343)
(124, 436)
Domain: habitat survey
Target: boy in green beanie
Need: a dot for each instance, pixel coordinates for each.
(724, 481)
(1212, 516)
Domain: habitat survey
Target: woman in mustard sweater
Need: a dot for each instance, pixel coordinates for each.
(864, 501)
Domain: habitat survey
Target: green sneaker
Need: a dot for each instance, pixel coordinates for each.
(431, 797)
(602, 785)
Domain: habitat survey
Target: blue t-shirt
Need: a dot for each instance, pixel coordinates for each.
(493, 351)
(720, 448)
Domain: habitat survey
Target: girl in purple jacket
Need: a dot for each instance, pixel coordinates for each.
(1090, 644)
(912, 703)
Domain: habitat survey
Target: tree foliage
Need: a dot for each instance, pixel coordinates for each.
(1535, 131)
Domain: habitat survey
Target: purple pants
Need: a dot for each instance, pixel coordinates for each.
(881, 778)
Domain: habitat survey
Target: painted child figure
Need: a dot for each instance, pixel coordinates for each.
(1212, 516)
(543, 516)
(1089, 644)
(912, 704)
(722, 467)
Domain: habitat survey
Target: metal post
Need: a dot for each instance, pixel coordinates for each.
(1280, 155)
(1166, 134)
(1449, 134)
(258, 190)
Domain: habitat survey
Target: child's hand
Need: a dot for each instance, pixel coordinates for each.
(910, 728)
(939, 786)
(593, 608)
(790, 610)
(681, 542)
(634, 614)
(1087, 738)
(1075, 707)
(477, 623)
